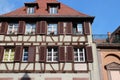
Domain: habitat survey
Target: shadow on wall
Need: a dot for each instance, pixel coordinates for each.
(25, 77)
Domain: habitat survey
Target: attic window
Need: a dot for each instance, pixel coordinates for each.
(31, 7)
(53, 10)
(53, 7)
(30, 10)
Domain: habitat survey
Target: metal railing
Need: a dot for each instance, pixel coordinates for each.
(103, 38)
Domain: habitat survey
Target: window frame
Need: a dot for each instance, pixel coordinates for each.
(78, 30)
(30, 28)
(30, 10)
(53, 29)
(53, 10)
(9, 54)
(53, 54)
(14, 28)
(23, 55)
(78, 53)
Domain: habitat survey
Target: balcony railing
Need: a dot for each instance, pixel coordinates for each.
(103, 38)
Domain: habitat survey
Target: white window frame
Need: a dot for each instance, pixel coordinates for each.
(9, 54)
(30, 28)
(54, 54)
(78, 29)
(23, 56)
(14, 28)
(78, 52)
(53, 10)
(30, 10)
(52, 29)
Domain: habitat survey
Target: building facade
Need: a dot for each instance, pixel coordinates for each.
(109, 55)
(47, 40)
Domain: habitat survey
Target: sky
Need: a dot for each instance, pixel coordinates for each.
(106, 12)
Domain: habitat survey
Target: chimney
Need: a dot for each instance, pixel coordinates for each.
(109, 36)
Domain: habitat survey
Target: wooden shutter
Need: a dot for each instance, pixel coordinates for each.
(43, 27)
(31, 54)
(18, 53)
(38, 28)
(61, 54)
(21, 29)
(86, 28)
(1, 53)
(4, 27)
(89, 56)
(42, 54)
(69, 55)
(69, 28)
(60, 28)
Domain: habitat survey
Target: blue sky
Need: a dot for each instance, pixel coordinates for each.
(106, 12)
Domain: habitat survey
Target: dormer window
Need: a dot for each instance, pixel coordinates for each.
(31, 7)
(53, 7)
(30, 10)
(53, 10)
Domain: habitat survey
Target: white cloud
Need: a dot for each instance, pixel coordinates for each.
(10, 5)
(6, 6)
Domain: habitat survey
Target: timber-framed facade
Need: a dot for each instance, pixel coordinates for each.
(41, 41)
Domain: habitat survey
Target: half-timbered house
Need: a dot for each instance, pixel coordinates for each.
(47, 40)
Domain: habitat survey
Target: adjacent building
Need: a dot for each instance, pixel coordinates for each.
(47, 40)
(108, 49)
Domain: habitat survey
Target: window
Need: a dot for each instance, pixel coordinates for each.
(8, 55)
(53, 10)
(77, 29)
(25, 55)
(52, 29)
(30, 28)
(79, 55)
(12, 28)
(52, 54)
(30, 10)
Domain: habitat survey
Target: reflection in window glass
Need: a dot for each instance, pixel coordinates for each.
(30, 10)
(77, 29)
(12, 28)
(52, 29)
(25, 55)
(53, 10)
(8, 55)
(30, 28)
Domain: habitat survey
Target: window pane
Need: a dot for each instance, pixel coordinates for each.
(25, 55)
(80, 28)
(30, 10)
(12, 28)
(52, 29)
(79, 55)
(77, 29)
(8, 54)
(53, 10)
(52, 54)
(30, 28)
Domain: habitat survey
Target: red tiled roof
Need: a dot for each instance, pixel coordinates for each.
(42, 11)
